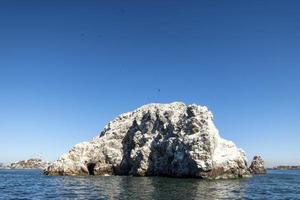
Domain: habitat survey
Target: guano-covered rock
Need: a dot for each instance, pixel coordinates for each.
(157, 140)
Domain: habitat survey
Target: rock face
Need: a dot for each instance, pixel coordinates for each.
(33, 163)
(157, 140)
(257, 166)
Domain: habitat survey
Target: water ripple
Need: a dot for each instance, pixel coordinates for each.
(31, 184)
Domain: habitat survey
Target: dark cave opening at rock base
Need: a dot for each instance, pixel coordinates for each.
(91, 168)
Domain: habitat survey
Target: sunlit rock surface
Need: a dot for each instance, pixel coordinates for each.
(157, 140)
(257, 166)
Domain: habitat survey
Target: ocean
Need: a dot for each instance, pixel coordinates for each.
(32, 184)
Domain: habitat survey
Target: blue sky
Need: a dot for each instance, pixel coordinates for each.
(69, 67)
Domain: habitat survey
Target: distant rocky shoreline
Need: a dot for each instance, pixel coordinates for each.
(286, 167)
(175, 140)
(33, 163)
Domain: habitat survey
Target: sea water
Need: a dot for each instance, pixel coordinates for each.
(32, 184)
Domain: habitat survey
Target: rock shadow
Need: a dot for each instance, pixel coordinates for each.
(91, 168)
(168, 156)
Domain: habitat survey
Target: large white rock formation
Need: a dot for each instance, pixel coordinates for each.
(157, 140)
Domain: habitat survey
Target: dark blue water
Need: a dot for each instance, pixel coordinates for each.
(31, 184)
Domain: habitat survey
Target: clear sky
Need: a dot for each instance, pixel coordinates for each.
(69, 67)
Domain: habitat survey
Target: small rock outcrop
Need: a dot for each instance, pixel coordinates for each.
(257, 166)
(157, 140)
(33, 163)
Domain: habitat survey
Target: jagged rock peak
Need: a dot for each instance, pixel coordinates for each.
(157, 140)
(257, 166)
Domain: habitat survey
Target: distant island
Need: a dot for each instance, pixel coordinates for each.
(286, 167)
(32, 163)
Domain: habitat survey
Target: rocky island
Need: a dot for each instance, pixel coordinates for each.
(175, 140)
(257, 166)
(33, 163)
